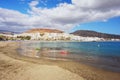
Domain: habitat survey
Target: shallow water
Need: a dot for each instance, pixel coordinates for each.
(99, 54)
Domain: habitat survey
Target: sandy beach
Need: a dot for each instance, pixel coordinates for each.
(16, 67)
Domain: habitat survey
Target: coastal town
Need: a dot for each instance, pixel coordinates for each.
(50, 36)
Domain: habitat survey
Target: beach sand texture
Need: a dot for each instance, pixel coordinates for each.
(11, 69)
(16, 67)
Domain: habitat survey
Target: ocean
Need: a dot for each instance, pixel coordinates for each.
(105, 55)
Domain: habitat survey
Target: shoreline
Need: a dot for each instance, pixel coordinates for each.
(85, 71)
(60, 41)
(16, 67)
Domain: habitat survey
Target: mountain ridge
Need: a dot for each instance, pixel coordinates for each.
(8, 32)
(90, 33)
(41, 30)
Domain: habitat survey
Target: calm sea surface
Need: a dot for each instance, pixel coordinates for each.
(104, 55)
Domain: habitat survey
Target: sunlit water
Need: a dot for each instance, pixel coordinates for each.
(99, 54)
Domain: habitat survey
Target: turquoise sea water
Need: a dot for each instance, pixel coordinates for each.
(104, 55)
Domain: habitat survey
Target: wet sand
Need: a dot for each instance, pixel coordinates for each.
(16, 67)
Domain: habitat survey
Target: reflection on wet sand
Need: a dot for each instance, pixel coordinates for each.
(46, 52)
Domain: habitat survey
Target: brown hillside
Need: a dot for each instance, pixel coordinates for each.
(88, 33)
(44, 30)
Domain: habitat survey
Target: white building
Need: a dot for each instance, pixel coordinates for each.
(59, 36)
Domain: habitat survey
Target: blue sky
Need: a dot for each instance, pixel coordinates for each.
(66, 15)
(112, 26)
(22, 5)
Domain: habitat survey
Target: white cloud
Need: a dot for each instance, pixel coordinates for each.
(64, 16)
(97, 4)
(34, 3)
